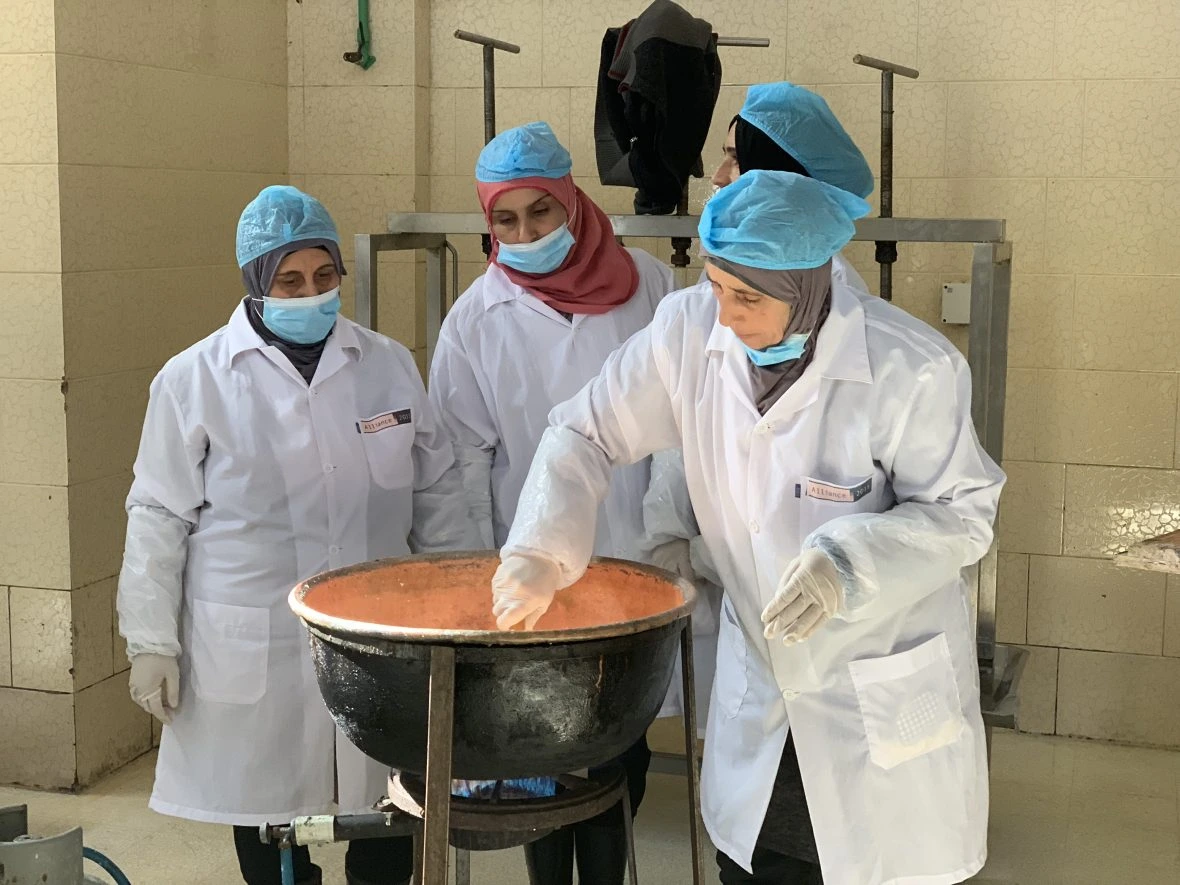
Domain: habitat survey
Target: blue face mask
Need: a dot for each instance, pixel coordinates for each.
(784, 351)
(302, 320)
(540, 256)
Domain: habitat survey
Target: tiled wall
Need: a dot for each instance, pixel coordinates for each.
(1061, 118)
(358, 139)
(134, 141)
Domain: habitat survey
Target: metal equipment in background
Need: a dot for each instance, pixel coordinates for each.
(55, 860)
(490, 45)
(886, 249)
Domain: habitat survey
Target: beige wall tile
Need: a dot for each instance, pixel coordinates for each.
(823, 37)
(5, 646)
(1031, 508)
(34, 536)
(1131, 128)
(918, 294)
(296, 122)
(31, 338)
(91, 608)
(28, 26)
(329, 30)
(103, 419)
(1107, 508)
(920, 115)
(136, 210)
(458, 63)
(1021, 202)
(112, 729)
(401, 309)
(1021, 418)
(453, 193)
(571, 41)
(337, 141)
(30, 230)
(28, 114)
(362, 203)
(1014, 129)
(295, 38)
(32, 442)
(1098, 40)
(1038, 692)
(1012, 598)
(98, 526)
(118, 114)
(245, 41)
(612, 200)
(41, 752)
(1114, 319)
(1041, 325)
(1094, 604)
(42, 639)
(1117, 697)
(990, 40)
(1172, 618)
(1112, 226)
(443, 132)
(741, 65)
(1116, 418)
(514, 107)
(173, 308)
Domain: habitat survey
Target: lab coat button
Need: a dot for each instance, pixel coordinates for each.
(328, 468)
(763, 428)
(789, 695)
(754, 527)
(334, 550)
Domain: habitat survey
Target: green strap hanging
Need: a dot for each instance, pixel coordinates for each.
(364, 40)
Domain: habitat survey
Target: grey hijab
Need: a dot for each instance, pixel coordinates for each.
(809, 294)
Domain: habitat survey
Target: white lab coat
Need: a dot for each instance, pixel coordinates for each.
(504, 359)
(668, 516)
(249, 480)
(884, 701)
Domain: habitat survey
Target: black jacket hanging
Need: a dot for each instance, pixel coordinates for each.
(658, 80)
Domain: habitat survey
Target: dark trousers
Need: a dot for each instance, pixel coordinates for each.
(600, 844)
(388, 861)
(770, 868)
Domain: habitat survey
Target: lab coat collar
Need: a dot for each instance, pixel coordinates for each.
(498, 289)
(841, 352)
(241, 337)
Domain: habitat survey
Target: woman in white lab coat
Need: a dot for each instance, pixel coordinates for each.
(780, 127)
(558, 297)
(288, 442)
(841, 490)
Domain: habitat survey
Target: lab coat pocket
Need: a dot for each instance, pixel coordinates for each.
(909, 702)
(389, 452)
(821, 501)
(229, 651)
(730, 681)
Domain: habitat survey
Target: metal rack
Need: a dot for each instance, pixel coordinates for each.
(987, 353)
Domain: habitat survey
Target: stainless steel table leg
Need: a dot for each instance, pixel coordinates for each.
(462, 867)
(629, 830)
(691, 754)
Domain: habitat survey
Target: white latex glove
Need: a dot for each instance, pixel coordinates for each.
(809, 593)
(675, 558)
(155, 684)
(522, 590)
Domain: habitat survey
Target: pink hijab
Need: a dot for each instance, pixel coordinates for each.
(598, 274)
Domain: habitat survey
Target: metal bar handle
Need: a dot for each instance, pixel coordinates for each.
(488, 41)
(890, 67)
(751, 42)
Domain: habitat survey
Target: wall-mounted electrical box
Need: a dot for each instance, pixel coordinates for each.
(956, 303)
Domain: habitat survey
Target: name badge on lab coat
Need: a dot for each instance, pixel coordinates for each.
(826, 491)
(381, 422)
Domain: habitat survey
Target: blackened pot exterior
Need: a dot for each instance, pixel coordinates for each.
(520, 710)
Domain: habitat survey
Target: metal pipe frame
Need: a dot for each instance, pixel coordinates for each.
(987, 352)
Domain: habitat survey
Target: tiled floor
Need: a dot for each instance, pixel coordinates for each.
(1063, 813)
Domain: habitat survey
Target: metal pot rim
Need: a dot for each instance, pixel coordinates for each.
(432, 635)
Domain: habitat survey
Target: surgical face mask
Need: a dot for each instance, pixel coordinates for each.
(783, 352)
(540, 256)
(302, 320)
